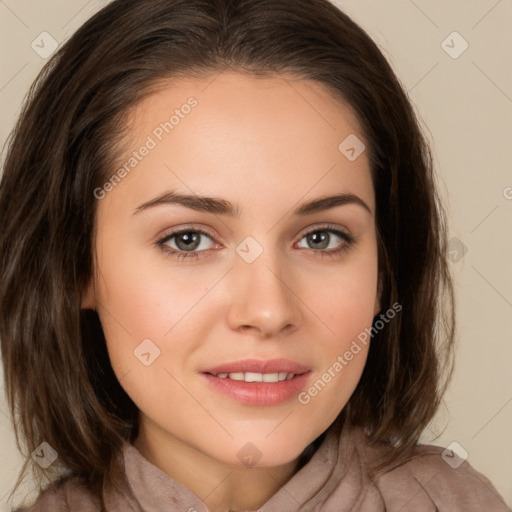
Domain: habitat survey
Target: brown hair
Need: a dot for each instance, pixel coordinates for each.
(60, 386)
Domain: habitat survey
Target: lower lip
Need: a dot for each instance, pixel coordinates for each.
(258, 393)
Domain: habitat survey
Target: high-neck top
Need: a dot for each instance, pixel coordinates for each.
(338, 478)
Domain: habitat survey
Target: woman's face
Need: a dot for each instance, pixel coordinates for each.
(267, 269)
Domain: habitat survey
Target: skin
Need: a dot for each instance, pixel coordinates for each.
(268, 145)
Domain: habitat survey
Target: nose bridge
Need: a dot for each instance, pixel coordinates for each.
(261, 294)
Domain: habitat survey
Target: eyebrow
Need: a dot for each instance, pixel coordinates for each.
(223, 207)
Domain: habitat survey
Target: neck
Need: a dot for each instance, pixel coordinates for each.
(222, 487)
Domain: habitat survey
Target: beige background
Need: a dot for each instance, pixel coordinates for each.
(466, 102)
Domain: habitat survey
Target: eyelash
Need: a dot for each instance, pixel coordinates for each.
(181, 255)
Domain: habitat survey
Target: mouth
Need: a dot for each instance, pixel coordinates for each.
(258, 382)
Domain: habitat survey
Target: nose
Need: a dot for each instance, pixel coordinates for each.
(262, 298)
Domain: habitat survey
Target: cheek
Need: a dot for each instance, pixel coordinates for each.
(344, 295)
(142, 298)
(148, 320)
(139, 307)
(349, 307)
(341, 357)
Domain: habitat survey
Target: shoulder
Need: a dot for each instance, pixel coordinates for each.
(430, 477)
(65, 495)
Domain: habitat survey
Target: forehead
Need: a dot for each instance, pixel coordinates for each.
(230, 131)
(233, 96)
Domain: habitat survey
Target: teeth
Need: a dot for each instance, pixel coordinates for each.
(257, 377)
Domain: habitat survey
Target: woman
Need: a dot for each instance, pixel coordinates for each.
(225, 285)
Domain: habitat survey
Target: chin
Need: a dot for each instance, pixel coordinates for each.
(263, 453)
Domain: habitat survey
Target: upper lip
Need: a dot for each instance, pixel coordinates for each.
(259, 366)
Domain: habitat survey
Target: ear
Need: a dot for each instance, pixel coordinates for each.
(88, 301)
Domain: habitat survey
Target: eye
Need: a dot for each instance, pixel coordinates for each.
(190, 243)
(327, 241)
(186, 243)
